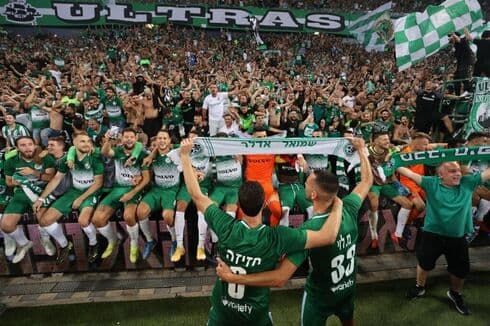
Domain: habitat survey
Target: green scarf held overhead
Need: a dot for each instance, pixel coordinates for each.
(436, 157)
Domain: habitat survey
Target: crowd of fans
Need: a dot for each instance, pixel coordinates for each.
(139, 80)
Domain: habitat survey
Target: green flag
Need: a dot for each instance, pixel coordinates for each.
(420, 35)
(374, 29)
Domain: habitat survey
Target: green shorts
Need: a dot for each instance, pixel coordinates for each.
(387, 190)
(160, 198)
(184, 195)
(19, 204)
(290, 194)
(5, 199)
(315, 312)
(63, 204)
(224, 194)
(112, 198)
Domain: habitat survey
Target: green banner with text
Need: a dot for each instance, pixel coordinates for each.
(80, 14)
(479, 119)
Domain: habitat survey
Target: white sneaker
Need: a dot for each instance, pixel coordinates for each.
(10, 245)
(48, 246)
(21, 252)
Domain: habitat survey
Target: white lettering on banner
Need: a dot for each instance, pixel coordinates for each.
(225, 16)
(282, 19)
(125, 13)
(77, 12)
(271, 19)
(325, 21)
(179, 14)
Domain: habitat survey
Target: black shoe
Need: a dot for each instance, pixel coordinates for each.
(458, 301)
(93, 253)
(415, 292)
(63, 253)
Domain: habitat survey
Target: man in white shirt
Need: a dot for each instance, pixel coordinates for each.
(214, 105)
(231, 127)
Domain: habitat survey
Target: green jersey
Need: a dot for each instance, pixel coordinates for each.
(114, 109)
(381, 125)
(84, 171)
(333, 276)
(39, 118)
(228, 171)
(11, 134)
(12, 165)
(96, 113)
(95, 135)
(124, 175)
(367, 131)
(247, 250)
(199, 162)
(449, 208)
(166, 172)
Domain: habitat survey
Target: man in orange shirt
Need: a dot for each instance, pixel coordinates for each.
(259, 167)
(420, 142)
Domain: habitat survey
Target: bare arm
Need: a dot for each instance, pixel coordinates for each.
(468, 35)
(99, 182)
(363, 187)
(202, 202)
(106, 149)
(328, 233)
(275, 278)
(51, 186)
(485, 176)
(417, 178)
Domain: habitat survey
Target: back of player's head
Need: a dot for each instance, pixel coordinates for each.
(326, 182)
(419, 135)
(251, 198)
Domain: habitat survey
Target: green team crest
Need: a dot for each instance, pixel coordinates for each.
(479, 119)
(384, 28)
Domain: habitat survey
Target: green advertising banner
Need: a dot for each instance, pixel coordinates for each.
(480, 110)
(77, 14)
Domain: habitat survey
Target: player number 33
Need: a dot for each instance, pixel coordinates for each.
(337, 264)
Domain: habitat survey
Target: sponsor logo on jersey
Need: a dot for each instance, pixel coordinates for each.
(237, 306)
(342, 286)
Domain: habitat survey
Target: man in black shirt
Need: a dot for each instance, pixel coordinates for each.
(187, 107)
(427, 109)
(482, 65)
(465, 60)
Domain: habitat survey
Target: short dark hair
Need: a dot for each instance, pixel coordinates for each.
(475, 135)
(161, 130)
(379, 134)
(221, 135)
(258, 128)
(129, 129)
(59, 139)
(327, 182)
(251, 197)
(23, 137)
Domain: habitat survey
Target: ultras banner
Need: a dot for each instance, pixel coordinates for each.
(71, 14)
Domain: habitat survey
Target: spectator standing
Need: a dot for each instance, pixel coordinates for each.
(447, 220)
(482, 65)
